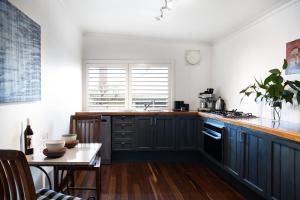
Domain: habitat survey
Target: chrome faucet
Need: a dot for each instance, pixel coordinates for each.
(147, 105)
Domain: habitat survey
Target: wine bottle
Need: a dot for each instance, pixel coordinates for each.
(28, 133)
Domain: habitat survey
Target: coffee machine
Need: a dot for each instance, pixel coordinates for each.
(207, 100)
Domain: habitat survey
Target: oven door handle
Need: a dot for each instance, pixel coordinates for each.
(212, 136)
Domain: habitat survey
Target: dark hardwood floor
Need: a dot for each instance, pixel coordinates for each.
(158, 180)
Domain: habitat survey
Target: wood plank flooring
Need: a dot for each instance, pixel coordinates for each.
(158, 181)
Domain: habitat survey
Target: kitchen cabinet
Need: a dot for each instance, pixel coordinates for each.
(254, 160)
(186, 133)
(232, 149)
(245, 156)
(164, 133)
(200, 135)
(155, 133)
(284, 174)
(123, 133)
(144, 133)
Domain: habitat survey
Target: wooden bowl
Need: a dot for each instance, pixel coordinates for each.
(54, 154)
(71, 144)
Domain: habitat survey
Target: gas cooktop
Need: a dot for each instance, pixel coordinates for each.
(233, 114)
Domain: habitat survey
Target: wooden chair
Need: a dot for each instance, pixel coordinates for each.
(88, 130)
(16, 181)
(87, 127)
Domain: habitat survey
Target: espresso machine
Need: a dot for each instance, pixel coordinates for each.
(207, 100)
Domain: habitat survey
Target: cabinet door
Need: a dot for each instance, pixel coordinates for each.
(164, 133)
(144, 133)
(200, 135)
(285, 174)
(254, 160)
(186, 133)
(231, 149)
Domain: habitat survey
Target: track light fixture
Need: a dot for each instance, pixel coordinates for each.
(168, 5)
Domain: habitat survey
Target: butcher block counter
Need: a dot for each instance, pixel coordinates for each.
(284, 129)
(141, 113)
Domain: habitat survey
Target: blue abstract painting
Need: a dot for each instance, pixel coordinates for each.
(20, 56)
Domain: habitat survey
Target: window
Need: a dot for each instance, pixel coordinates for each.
(127, 86)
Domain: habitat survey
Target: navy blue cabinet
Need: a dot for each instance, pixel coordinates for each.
(284, 170)
(232, 149)
(155, 133)
(164, 133)
(267, 164)
(254, 160)
(144, 133)
(200, 135)
(186, 133)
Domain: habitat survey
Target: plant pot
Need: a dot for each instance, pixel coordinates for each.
(276, 110)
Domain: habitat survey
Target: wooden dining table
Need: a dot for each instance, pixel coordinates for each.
(83, 155)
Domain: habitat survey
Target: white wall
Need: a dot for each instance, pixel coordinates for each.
(61, 76)
(250, 53)
(188, 80)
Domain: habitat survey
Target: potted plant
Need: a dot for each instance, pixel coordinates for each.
(274, 90)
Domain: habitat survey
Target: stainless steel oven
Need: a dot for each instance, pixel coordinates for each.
(213, 136)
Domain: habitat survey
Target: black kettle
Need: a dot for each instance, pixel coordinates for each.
(220, 104)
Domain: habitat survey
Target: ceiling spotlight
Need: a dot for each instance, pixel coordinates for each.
(168, 5)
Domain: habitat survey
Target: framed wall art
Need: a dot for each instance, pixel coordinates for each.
(293, 57)
(20, 56)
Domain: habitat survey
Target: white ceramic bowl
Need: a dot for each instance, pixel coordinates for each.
(69, 137)
(55, 145)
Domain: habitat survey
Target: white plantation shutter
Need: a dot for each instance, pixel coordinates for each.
(107, 86)
(149, 84)
(127, 86)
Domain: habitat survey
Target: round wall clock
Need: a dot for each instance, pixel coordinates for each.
(193, 57)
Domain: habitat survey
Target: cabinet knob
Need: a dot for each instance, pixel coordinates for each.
(122, 143)
(123, 133)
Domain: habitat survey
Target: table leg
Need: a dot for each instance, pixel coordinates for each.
(98, 183)
(55, 179)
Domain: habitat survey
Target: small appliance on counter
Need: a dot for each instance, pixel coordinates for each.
(220, 104)
(207, 99)
(180, 106)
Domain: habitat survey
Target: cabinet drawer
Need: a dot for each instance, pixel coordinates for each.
(122, 135)
(123, 119)
(120, 145)
(123, 127)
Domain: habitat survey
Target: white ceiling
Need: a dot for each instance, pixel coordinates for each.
(201, 20)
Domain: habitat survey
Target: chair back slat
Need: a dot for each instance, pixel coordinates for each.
(5, 192)
(10, 178)
(87, 128)
(15, 177)
(18, 179)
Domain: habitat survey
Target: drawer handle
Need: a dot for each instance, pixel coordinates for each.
(123, 125)
(123, 134)
(123, 143)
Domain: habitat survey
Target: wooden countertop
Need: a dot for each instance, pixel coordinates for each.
(141, 113)
(284, 129)
(287, 130)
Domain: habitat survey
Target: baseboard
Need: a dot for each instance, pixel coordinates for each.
(153, 156)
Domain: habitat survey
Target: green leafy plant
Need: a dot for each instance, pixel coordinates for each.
(274, 89)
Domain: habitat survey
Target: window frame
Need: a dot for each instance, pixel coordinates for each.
(170, 64)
